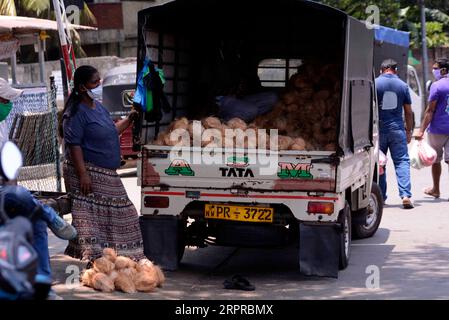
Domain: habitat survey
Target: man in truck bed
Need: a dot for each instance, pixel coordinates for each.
(393, 95)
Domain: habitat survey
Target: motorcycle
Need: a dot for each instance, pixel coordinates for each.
(18, 258)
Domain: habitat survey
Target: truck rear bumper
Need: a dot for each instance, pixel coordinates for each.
(297, 202)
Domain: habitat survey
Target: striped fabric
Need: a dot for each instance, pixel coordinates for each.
(104, 219)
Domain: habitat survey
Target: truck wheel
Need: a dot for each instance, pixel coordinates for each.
(345, 238)
(373, 216)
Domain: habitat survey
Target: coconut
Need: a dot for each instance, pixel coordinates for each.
(124, 262)
(237, 123)
(124, 283)
(211, 122)
(103, 265)
(87, 277)
(110, 254)
(102, 282)
(181, 123)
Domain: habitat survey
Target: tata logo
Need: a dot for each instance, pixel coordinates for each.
(236, 172)
(179, 167)
(289, 170)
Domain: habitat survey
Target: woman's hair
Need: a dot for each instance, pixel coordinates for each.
(82, 76)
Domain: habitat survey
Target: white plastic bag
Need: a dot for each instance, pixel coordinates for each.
(415, 161)
(427, 155)
(383, 159)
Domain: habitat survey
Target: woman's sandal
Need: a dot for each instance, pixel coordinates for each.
(237, 282)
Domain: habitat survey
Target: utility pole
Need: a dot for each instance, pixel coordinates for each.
(65, 40)
(425, 58)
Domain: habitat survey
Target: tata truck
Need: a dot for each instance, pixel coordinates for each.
(317, 200)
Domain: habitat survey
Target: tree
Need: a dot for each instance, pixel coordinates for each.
(404, 15)
(42, 9)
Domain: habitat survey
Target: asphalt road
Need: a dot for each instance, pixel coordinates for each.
(408, 258)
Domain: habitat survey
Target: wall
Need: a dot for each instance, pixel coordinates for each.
(29, 73)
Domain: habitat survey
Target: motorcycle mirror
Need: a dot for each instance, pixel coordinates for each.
(10, 160)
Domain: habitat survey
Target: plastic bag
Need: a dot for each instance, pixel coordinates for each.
(415, 161)
(426, 153)
(383, 159)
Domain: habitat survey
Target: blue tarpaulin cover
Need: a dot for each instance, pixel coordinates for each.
(385, 34)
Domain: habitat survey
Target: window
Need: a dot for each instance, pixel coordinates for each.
(276, 72)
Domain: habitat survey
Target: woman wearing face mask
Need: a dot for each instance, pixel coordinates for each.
(102, 213)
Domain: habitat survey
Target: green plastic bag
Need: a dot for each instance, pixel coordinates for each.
(5, 109)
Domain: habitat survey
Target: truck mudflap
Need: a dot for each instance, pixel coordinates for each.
(319, 249)
(162, 240)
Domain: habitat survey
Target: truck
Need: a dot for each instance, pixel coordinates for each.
(317, 200)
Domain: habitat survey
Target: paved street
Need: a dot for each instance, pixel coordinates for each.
(411, 250)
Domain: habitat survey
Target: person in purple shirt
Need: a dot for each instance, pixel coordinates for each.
(436, 121)
(101, 210)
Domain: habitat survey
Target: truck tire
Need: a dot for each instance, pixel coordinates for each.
(345, 237)
(373, 216)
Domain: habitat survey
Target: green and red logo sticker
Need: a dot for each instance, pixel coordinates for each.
(237, 168)
(179, 167)
(291, 171)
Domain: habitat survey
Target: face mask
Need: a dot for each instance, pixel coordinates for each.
(437, 74)
(97, 93)
(5, 109)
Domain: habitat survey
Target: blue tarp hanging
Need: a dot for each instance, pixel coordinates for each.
(397, 37)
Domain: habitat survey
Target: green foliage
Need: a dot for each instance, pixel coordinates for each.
(36, 8)
(405, 15)
(7, 8)
(41, 9)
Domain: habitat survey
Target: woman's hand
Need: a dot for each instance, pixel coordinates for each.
(85, 184)
(133, 116)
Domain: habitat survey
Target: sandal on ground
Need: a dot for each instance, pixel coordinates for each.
(237, 282)
(429, 192)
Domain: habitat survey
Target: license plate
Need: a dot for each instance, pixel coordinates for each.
(238, 213)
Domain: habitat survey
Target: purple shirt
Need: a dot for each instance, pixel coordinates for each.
(439, 92)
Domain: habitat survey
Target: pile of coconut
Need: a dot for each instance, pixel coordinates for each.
(112, 272)
(305, 116)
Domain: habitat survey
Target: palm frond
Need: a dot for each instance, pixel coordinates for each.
(35, 8)
(437, 15)
(8, 8)
(87, 18)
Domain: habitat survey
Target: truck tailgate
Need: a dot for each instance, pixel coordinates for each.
(253, 170)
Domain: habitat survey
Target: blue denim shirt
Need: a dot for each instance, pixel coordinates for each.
(392, 94)
(95, 132)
